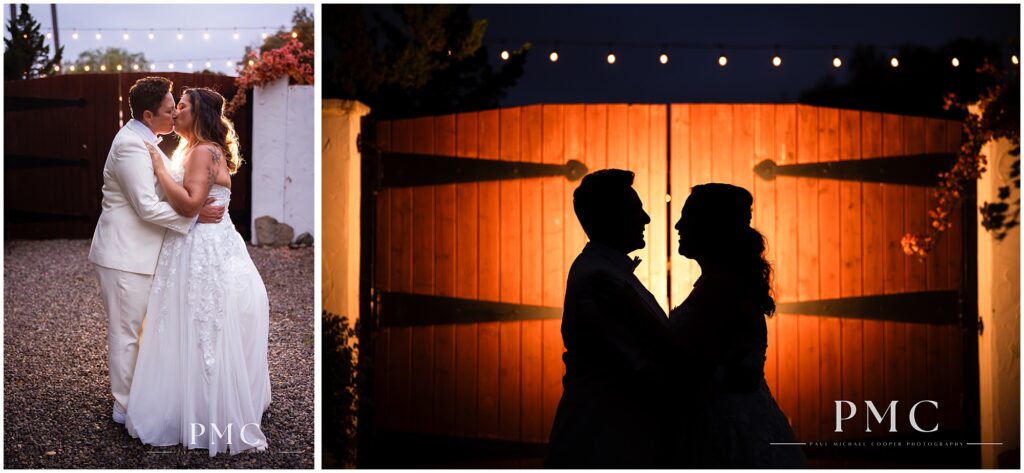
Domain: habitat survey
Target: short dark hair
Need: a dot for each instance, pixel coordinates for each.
(599, 191)
(147, 94)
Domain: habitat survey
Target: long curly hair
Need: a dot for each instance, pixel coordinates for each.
(718, 227)
(209, 125)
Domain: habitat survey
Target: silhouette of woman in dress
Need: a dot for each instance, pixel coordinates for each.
(722, 325)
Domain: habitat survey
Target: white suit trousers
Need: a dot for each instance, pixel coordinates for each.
(125, 296)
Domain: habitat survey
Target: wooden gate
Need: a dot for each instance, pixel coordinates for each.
(57, 133)
(471, 253)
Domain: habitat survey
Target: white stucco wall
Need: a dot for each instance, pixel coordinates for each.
(282, 155)
(341, 167)
(999, 309)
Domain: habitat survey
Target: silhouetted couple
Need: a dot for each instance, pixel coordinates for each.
(642, 390)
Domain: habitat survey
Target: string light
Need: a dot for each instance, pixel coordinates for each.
(1014, 60)
(722, 60)
(208, 64)
(87, 68)
(152, 67)
(190, 65)
(295, 34)
(119, 68)
(56, 67)
(235, 35)
(74, 35)
(955, 62)
(663, 58)
(777, 60)
(135, 67)
(894, 62)
(611, 58)
(227, 63)
(180, 36)
(251, 62)
(151, 35)
(264, 35)
(72, 68)
(206, 35)
(99, 34)
(836, 62)
(170, 66)
(125, 36)
(103, 67)
(49, 35)
(553, 56)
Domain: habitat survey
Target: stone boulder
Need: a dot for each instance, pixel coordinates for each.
(270, 232)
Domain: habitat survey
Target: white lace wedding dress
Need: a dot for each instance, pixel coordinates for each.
(201, 378)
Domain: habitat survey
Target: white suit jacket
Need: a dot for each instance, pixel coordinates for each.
(135, 216)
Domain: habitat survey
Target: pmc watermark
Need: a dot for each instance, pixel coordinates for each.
(199, 430)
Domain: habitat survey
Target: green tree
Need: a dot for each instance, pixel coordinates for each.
(431, 62)
(26, 54)
(109, 57)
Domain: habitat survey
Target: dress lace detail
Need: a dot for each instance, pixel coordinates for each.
(201, 377)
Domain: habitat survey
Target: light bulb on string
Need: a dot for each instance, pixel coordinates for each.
(74, 35)
(170, 66)
(206, 35)
(135, 67)
(125, 36)
(777, 60)
(553, 56)
(251, 62)
(1015, 60)
(189, 65)
(723, 60)
(894, 62)
(49, 35)
(955, 62)
(227, 63)
(180, 36)
(99, 34)
(72, 68)
(295, 34)
(152, 67)
(151, 34)
(56, 68)
(264, 35)
(87, 68)
(837, 62)
(208, 64)
(103, 67)
(119, 67)
(663, 58)
(611, 58)
(235, 34)
(504, 55)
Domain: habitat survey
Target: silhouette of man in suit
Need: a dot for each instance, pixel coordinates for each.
(611, 414)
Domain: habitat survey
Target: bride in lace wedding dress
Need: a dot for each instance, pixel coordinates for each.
(201, 377)
(735, 422)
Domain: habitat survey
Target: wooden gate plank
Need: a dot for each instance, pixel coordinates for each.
(851, 272)
(873, 269)
(764, 220)
(683, 270)
(488, 272)
(830, 250)
(510, 362)
(786, 236)
(895, 351)
(808, 282)
(660, 227)
(400, 358)
(532, 421)
(444, 281)
(423, 259)
(467, 257)
(554, 275)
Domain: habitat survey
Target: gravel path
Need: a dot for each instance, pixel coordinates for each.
(56, 388)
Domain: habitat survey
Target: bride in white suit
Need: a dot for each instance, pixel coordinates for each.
(130, 231)
(202, 378)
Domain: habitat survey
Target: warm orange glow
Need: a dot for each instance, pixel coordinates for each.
(777, 61)
(955, 62)
(722, 60)
(135, 67)
(553, 56)
(504, 55)
(611, 58)
(87, 68)
(663, 58)
(836, 62)
(119, 67)
(1014, 59)
(295, 35)
(103, 67)
(72, 68)
(894, 62)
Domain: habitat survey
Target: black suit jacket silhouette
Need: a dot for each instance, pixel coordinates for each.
(612, 410)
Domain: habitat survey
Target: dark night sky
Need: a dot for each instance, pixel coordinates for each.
(582, 75)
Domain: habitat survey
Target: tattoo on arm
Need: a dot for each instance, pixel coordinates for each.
(211, 174)
(216, 155)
